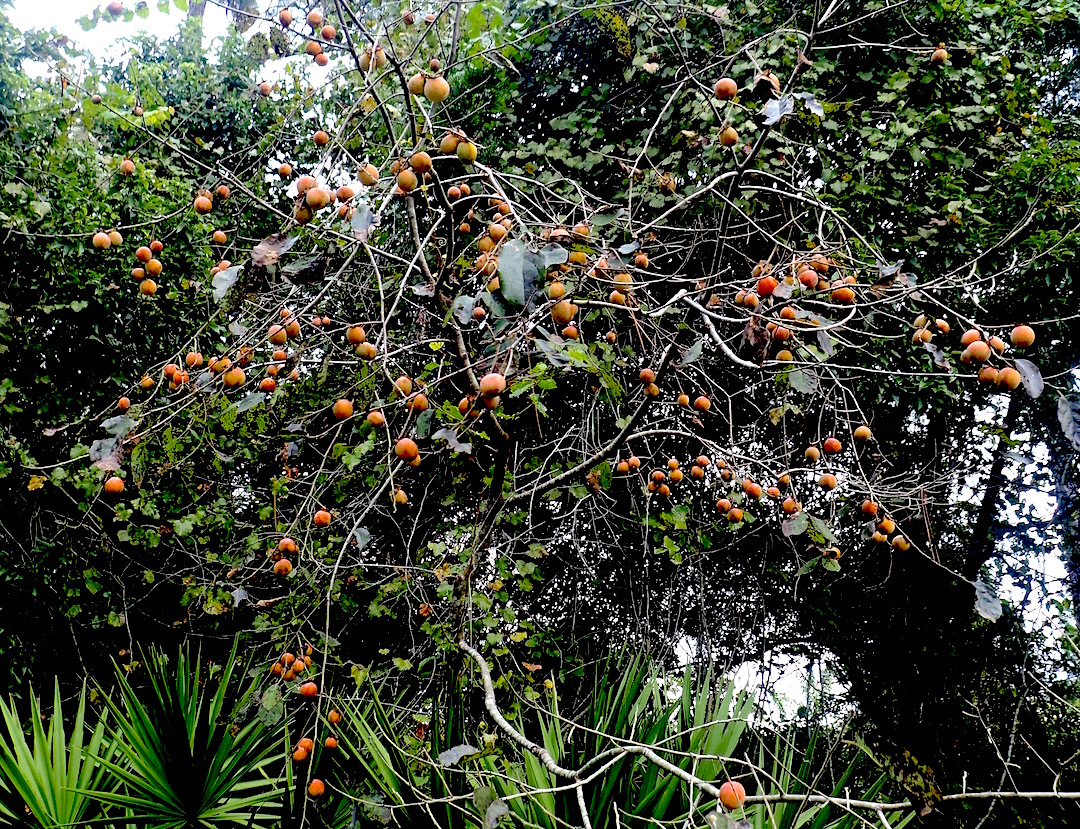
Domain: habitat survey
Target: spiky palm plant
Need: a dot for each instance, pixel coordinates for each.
(50, 780)
(189, 751)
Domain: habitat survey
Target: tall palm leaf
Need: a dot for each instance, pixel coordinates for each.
(189, 751)
(50, 780)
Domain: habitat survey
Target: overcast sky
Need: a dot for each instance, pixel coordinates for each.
(64, 14)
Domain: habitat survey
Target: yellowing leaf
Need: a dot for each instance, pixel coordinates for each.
(36, 482)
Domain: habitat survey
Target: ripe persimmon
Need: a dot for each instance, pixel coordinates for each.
(751, 488)
(1009, 377)
(725, 89)
(492, 384)
(316, 788)
(1022, 336)
(436, 90)
(321, 518)
(114, 485)
(732, 794)
(282, 567)
(466, 152)
(309, 689)
(406, 449)
(343, 409)
(979, 351)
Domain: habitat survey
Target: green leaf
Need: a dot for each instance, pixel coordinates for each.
(804, 380)
(796, 525)
(517, 273)
(693, 353)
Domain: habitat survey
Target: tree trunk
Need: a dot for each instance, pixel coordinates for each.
(981, 545)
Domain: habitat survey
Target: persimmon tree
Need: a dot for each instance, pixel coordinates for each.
(532, 330)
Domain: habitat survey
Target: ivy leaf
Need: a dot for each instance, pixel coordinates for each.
(831, 564)
(1029, 376)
